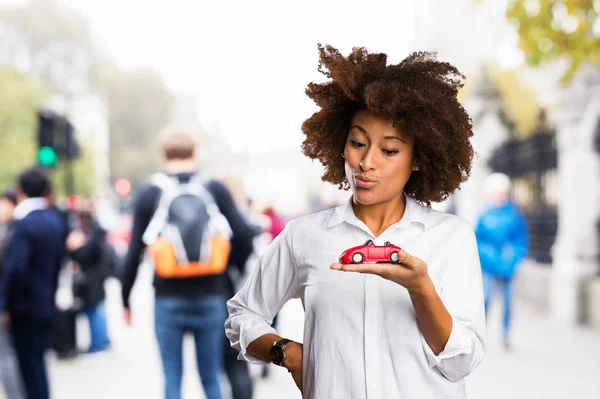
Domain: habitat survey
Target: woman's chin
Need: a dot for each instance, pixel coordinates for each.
(370, 197)
(364, 197)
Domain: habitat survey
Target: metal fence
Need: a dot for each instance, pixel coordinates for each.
(531, 163)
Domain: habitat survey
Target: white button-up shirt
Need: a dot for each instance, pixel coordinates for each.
(361, 336)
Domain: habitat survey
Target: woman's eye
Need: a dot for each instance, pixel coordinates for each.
(356, 144)
(390, 153)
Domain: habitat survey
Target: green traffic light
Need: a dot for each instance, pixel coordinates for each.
(47, 157)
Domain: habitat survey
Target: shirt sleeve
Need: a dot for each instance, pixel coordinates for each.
(461, 292)
(229, 209)
(269, 287)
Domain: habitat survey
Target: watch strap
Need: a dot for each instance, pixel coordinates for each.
(281, 343)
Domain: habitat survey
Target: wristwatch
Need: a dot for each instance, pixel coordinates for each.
(277, 353)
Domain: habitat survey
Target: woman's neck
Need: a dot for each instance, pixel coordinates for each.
(378, 217)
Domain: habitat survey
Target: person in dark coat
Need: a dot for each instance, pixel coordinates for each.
(88, 247)
(32, 262)
(9, 369)
(237, 371)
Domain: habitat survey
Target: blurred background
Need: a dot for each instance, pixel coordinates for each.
(85, 87)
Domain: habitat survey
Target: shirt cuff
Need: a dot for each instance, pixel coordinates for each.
(458, 344)
(247, 337)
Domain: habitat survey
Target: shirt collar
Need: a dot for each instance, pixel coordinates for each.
(414, 213)
(29, 205)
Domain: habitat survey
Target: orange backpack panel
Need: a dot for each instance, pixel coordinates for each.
(166, 266)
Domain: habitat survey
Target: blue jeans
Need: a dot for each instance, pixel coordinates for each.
(99, 334)
(490, 283)
(203, 316)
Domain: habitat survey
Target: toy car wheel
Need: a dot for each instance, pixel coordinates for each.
(357, 257)
(394, 257)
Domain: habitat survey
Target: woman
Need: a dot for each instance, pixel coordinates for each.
(89, 247)
(397, 137)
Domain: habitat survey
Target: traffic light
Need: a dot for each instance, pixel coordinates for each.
(123, 186)
(56, 138)
(47, 157)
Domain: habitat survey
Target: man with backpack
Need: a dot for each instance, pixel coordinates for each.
(187, 222)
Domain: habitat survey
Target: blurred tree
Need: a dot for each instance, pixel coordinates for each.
(551, 29)
(139, 106)
(20, 97)
(53, 43)
(518, 99)
(520, 102)
(49, 41)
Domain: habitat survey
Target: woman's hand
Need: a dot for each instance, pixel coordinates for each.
(410, 272)
(293, 361)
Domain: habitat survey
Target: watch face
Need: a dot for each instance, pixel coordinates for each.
(276, 354)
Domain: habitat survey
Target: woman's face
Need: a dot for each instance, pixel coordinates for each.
(386, 156)
(6, 211)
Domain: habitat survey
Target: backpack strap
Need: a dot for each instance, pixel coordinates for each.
(170, 189)
(197, 186)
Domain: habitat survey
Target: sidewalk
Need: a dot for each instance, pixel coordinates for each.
(548, 360)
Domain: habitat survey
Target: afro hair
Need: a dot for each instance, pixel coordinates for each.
(419, 95)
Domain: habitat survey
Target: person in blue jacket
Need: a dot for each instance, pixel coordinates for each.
(502, 243)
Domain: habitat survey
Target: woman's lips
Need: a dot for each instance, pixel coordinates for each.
(364, 182)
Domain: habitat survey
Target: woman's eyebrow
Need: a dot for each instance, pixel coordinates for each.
(395, 137)
(362, 129)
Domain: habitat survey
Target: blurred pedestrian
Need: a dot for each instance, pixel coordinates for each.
(187, 221)
(9, 366)
(502, 242)
(276, 226)
(242, 246)
(413, 327)
(32, 262)
(89, 248)
(277, 223)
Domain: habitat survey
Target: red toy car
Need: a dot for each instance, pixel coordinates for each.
(371, 253)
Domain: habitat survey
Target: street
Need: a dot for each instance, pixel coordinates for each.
(547, 360)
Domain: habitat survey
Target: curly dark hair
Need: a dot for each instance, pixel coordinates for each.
(419, 95)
